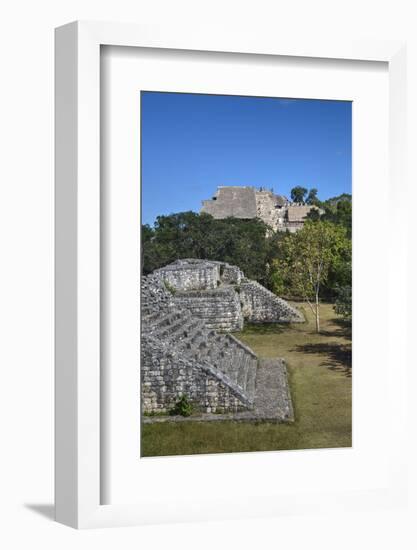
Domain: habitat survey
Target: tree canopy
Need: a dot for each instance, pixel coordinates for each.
(312, 198)
(308, 258)
(343, 304)
(298, 193)
(337, 210)
(190, 235)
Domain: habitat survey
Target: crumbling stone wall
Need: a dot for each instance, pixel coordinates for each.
(249, 202)
(236, 201)
(231, 274)
(268, 210)
(259, 305)
(167, 375)
(190, 275)
(180, 356)
(224, 297)
(219, 309)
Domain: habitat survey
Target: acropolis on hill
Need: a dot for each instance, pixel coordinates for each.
(248, 202)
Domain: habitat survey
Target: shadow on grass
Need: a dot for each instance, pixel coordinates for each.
(339, 355)
(265, 328)
(344, 329)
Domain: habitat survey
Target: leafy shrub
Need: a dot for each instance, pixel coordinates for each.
(182, 407)
(343, 305)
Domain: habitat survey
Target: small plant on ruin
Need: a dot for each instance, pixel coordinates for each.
(182, 407)
(169, 287)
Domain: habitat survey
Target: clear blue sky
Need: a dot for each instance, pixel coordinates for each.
(192, 143)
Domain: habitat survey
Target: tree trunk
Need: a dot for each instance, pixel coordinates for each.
(317, 314)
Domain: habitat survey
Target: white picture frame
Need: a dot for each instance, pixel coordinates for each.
(78, 406)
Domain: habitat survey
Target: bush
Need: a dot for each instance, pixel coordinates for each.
(343, 305)
(182, 407)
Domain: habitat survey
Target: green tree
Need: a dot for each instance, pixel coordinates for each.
(314, 215)
(343, 305)
(339, 211)
(312, 198)
(190, 235)
(298, 194)
(307, 258)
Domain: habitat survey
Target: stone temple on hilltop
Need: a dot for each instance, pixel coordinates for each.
(189, 310)
(249, 202)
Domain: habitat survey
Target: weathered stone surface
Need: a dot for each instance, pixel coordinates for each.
(239, 202)
(231, 274)
(249, 202)
(183, 306)
(191, 274)
(222, 297)
(219, 309)
(272, 399)
(180, 356)
(259, 305)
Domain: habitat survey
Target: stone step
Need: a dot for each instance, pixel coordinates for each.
(170, 331)
(149, 316)
(197, 337)
(191, 326)
(166, 319)
(228, 358)
(233, 368)
(151, 300)
(236, 363)
(225, 362)
(250, 380)
(243, 370)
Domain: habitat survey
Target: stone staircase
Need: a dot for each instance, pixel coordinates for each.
(176, 336)
(219, 309)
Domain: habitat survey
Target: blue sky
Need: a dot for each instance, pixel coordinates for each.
(193, 143)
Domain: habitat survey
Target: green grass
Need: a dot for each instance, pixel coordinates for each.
(320, 379)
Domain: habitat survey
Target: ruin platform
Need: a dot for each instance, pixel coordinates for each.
(272, 399)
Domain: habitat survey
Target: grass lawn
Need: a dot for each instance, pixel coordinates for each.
(320, 379)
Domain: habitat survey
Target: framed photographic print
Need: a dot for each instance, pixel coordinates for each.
(216, 258)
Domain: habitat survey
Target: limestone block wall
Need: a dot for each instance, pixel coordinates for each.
(231, 274)
(155, 298)
(259, 305)
(219, 309)
(219, 295)
(180, 355)
(266, 208)
(166, 375)
(236, 201)
(190, 276)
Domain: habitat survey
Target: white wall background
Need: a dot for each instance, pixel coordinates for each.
(26, 274)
